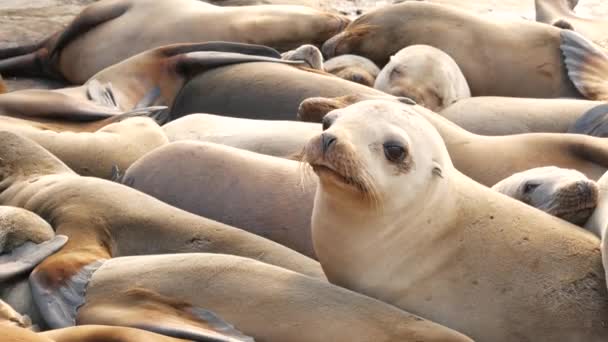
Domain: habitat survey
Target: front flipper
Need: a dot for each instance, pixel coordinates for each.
(587, 65)
(193, 63)
(144, 309)
(27, 256)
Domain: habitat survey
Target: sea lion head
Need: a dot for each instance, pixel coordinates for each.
(353, 68)
(424, 74)
(567, 194)
(377, 152)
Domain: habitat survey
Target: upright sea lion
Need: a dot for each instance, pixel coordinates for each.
(353, 68)
(269, 91)
(560, 13)
(261, 194)
(567, 194)
(489, 159)
(531, 65)
(449, 247)
(104, 219)
(491, 115)
(272, 137)
(107, 32)
(424, 74)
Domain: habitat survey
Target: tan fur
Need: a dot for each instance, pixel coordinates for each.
(450, 247)
(536, 70)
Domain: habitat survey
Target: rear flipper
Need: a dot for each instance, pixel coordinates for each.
(587, 65)
(593, 122)
(24, 258)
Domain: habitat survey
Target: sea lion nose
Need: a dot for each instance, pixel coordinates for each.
(327, 140)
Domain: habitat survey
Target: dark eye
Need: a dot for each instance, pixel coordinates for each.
(529, 187)
(394, 152)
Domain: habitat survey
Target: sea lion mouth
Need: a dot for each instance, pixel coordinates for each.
(324, 170)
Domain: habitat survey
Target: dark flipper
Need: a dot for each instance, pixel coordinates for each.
(144, 309)
(587, 65)
(90, 17)
(27, 256)
(594, 122)
(192, 63)
(247, 49)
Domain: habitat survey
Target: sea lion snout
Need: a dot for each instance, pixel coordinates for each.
(330, 46)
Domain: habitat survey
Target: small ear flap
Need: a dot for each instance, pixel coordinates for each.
(193, 63)
(587, 65)
(27, 256)
(145, 309)
(437, 171)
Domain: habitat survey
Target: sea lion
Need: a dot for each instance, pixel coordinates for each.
(107, 32)
(567, 194)
(353, 68)
(307, 53)
(385, 174)
(104, 219)
(535, 70)
(489, 159)
(272, 137)
(151, 78)
(424, 74)
(587, 65)
(261, 194)
(248, 294)
(268, 91)
(491, 115)
(560, 13)
(593, 122)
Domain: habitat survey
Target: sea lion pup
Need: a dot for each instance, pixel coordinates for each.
(424, 74)
(95, 214)
(492, 115)
(594, 122)
(151, 78)
(587, 65)
(261, 194)
(307, 53)
(560, 13)
(107, 32)
(248, 294)
(567, 194)
(490, 159)
(268, 91)
(271, 137)
(385, 174)
(353, 68)
(534, 70)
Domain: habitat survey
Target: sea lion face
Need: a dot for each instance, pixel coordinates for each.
(567, 194)
(382, 152)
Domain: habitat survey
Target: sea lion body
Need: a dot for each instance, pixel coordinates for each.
(272, 137)
(424, 74)
(108, 32)
(490, 115)
(262, 194)
(534, 69)
(266, 91)
(234, 287)
(440, 265)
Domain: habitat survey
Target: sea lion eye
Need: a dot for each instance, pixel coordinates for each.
(529, 187)
(394, 152)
